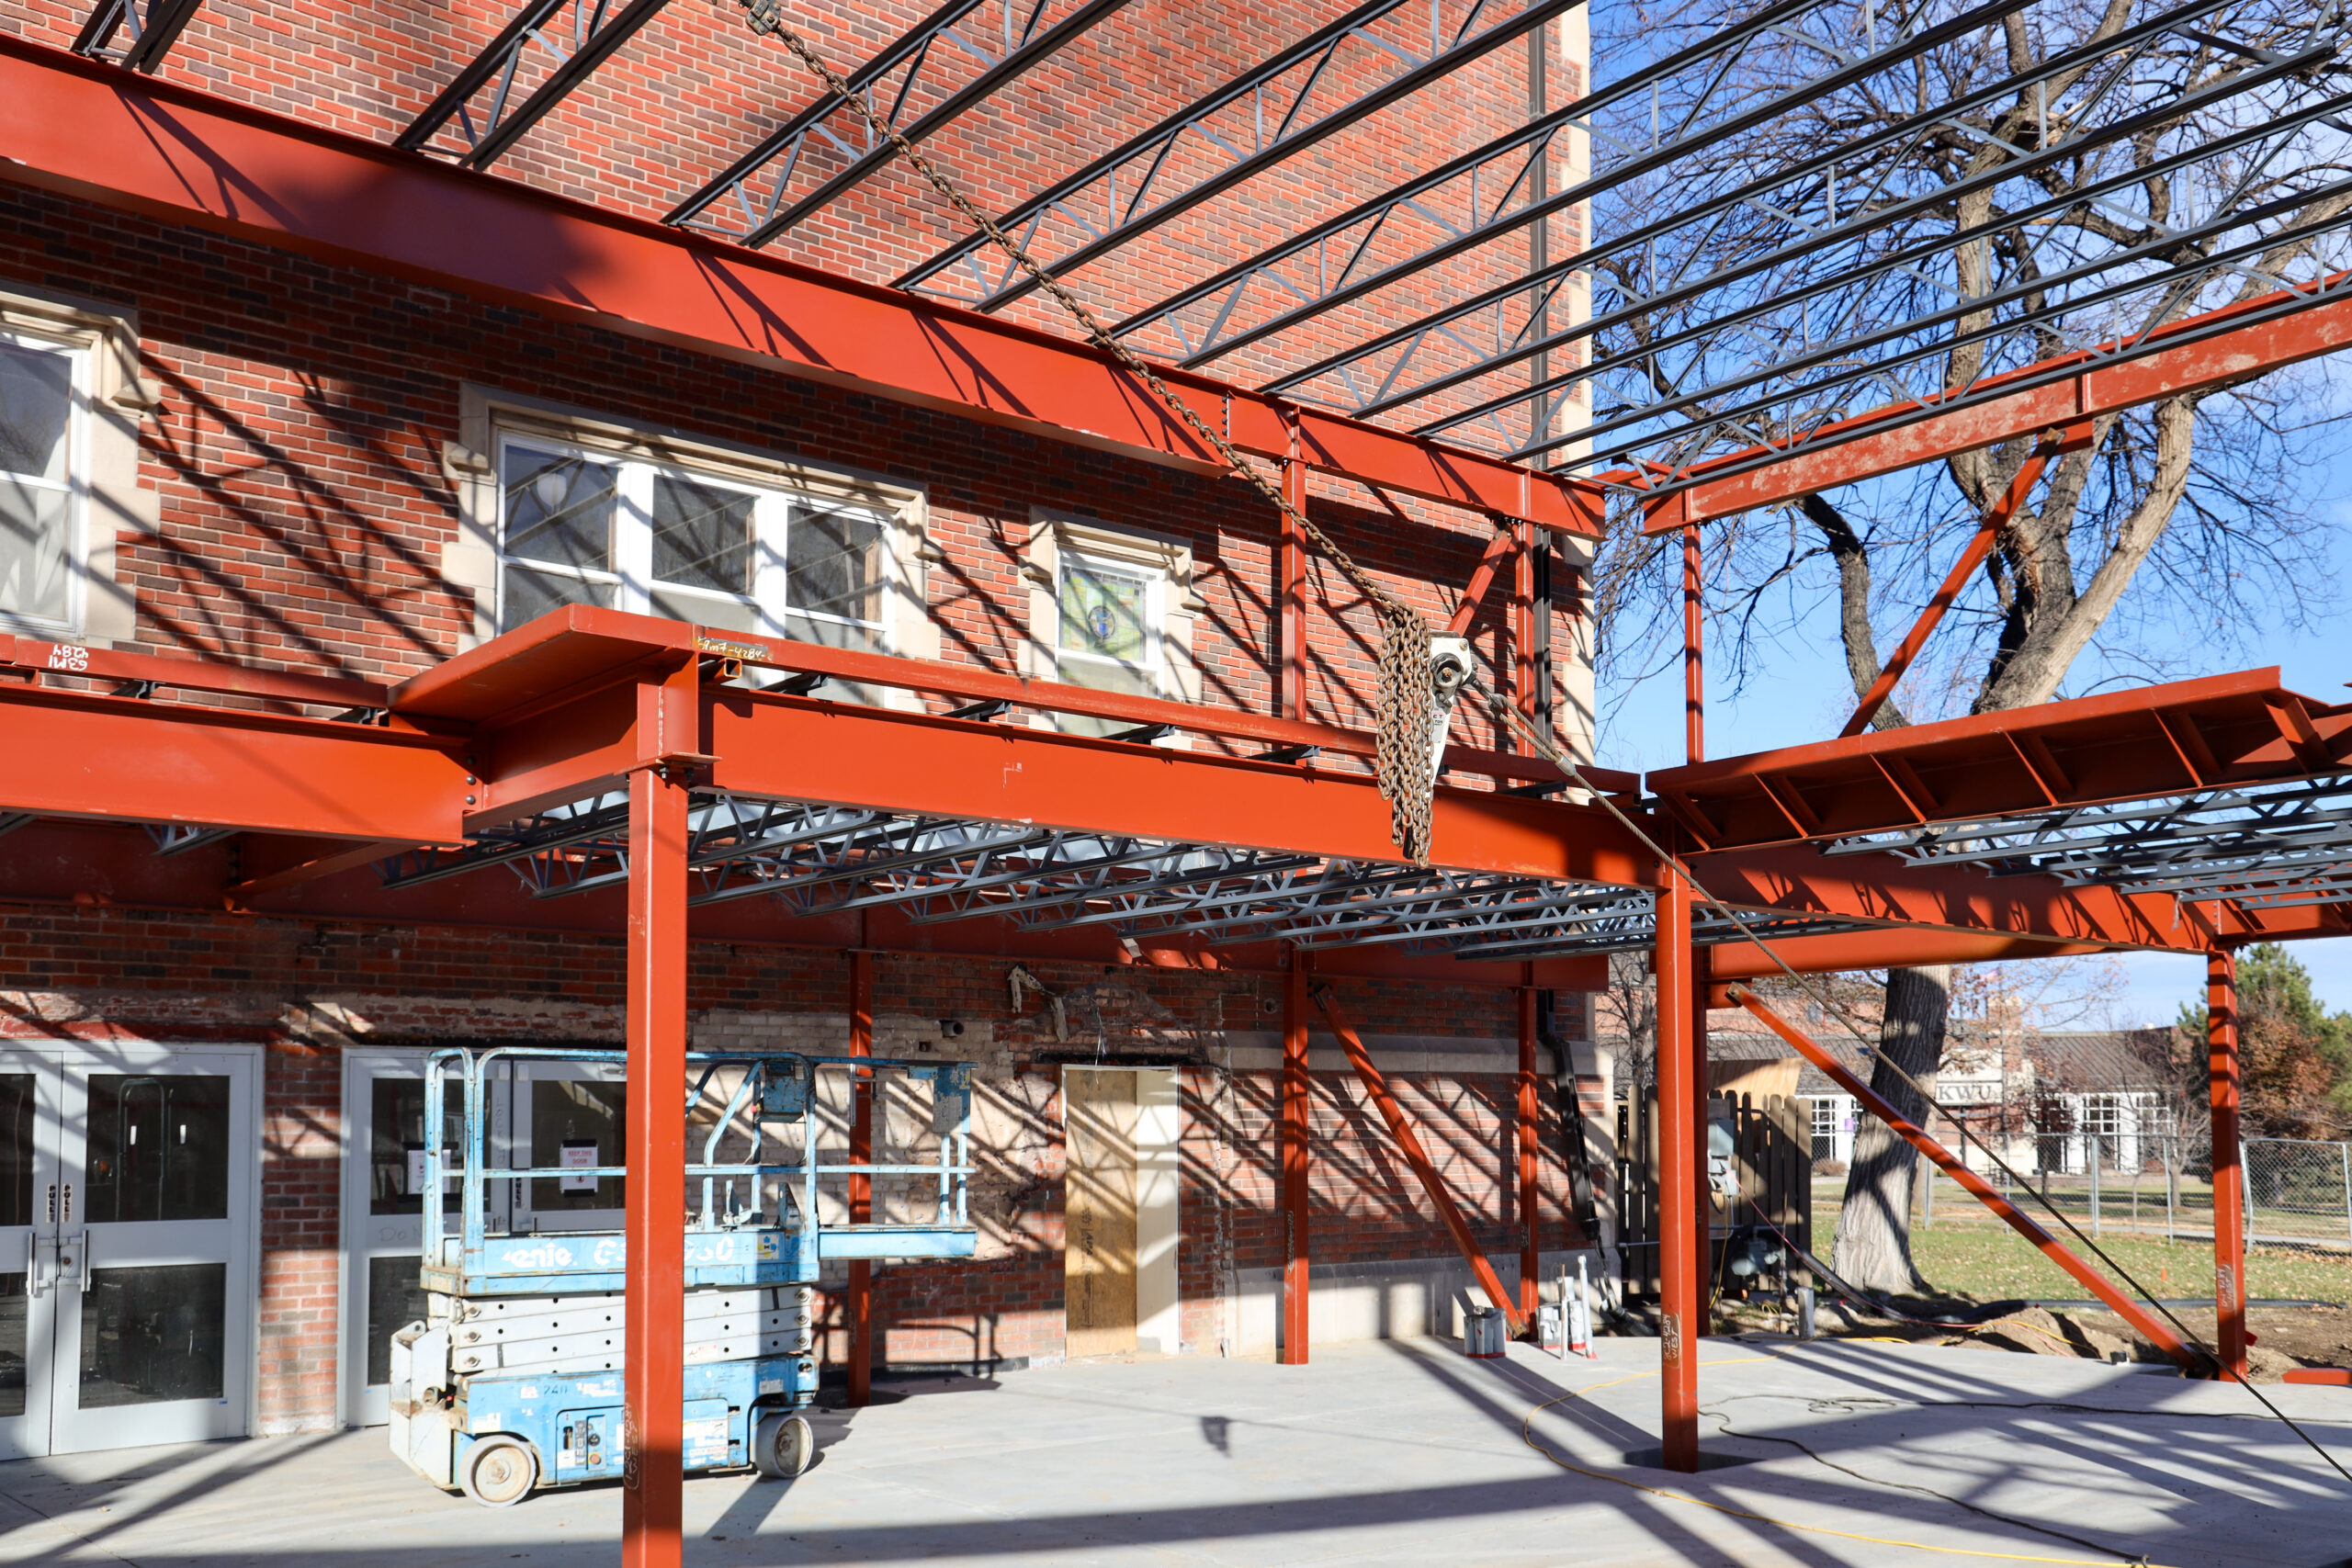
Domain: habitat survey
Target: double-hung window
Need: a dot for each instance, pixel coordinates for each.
(577, 526)
(40, 493)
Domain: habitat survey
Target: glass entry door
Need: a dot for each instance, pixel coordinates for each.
(550, 1113)
(130, 1178)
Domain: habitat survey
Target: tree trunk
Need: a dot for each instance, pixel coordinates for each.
(1874, 1247)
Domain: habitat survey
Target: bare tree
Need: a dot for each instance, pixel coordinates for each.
(2193, 176)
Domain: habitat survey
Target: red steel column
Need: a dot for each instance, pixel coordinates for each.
(1530, 1249)
(1703, 1253)
(1297, 1134)
(1290, 593)
(1695, 668)
(2229, 1182)
(1678, 1200)
(654, 1139)
(860, 1300)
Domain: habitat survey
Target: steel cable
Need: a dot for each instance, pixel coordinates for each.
(1405, 767)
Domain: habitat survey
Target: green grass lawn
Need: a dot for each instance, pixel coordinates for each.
(1991, 1262)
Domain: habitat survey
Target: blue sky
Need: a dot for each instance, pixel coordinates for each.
(1806, 696)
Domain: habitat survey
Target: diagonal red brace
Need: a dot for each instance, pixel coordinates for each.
(2090, 1279)
(2074, 438)
(1415, 1156)
(1500, 549)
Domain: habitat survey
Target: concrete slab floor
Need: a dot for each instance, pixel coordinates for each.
(1378, 1454)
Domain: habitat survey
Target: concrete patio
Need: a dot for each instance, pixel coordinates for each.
(1400, 1453)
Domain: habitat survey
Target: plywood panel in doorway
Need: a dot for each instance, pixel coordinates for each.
(1100, 1208)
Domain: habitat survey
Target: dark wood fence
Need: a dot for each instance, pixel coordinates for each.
(1773, 1138)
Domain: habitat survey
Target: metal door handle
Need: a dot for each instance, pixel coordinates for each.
(35, 1283)
(80, 1244)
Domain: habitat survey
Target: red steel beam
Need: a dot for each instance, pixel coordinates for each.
(1408, 1143)
(2223, 1085)
(1290, 594)
(652, 1474)
(2018, 1220)
(1798, 878)
(1297, 1151)
(2139, 744)
(2021, 489)
(1681, 1078)
(586, 650)
(1530, 1171)
(2200, 351)
(859, 1295)
(166, 151)
(1502, 547)
(79, 755)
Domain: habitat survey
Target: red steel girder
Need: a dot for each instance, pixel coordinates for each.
(1684, 1310)
(155, 147)
(582, 650)
(1298, 1157)
(84, 755)
(2207, 350)
(2155, 740)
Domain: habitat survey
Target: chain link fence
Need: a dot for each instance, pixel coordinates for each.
(2298, 1195)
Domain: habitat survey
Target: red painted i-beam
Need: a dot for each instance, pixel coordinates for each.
(2050, 1247)
(1408, 1143)
(860, 1297)
(1530, 1249)
(1694, 656)
(1297, 1142)
(2229, 1180)
(654, 1139)
(1681, 1305)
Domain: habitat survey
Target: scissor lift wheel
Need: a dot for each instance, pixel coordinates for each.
(499, 1473)
(782, 1446)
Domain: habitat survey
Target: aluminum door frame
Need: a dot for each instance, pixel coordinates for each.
(232, 1415)
(36, 1250)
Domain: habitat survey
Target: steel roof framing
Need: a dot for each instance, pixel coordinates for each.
(1086, 215)
(87, 129)
(1381, 374)
(779, 156)
(598, 27)
(151, 35)
(1352, 234)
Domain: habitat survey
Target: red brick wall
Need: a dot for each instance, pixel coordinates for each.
(297, 452)
(301, 1224)
(697, 89)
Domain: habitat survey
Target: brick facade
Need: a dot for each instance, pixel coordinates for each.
(299, 453)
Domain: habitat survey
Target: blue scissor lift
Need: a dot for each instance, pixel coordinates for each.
(514, 1380)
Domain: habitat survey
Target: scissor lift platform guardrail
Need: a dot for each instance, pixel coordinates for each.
(514, 1378)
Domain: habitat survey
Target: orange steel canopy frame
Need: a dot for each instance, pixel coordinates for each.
(595, 768)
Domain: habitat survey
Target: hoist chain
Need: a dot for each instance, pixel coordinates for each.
(1403, 765)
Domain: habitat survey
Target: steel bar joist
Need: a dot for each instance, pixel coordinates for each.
(919, 84)
(1374, 55)
(551, 45)
(1756, 259)
(152, 30)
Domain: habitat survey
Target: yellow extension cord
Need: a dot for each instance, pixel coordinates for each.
(1527, 1434)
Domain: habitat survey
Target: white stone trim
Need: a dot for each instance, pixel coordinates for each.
(470, 558)
(115, 398)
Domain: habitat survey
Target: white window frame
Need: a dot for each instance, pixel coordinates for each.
(76, 485)
(105, 487)
(630, 574)
(490, 419)
(1164, 561)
